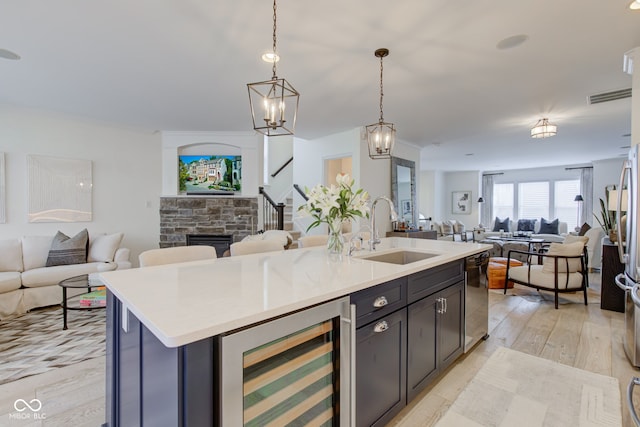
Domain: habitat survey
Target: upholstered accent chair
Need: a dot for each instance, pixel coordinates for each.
(176, 254)
(313, 240)
(255, 246)
(563, 268)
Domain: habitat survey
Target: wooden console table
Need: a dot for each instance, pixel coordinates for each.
(611, 296)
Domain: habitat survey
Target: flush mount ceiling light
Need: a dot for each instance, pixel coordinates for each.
(270, 57)
(543, 129)
(274, 103)
(381, 136)
(635, 5)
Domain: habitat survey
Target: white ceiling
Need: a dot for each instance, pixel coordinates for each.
(184, 65)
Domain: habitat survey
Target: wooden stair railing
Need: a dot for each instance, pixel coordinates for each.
(273, 213)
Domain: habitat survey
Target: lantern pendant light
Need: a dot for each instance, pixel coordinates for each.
(381, 136)
(274, 103)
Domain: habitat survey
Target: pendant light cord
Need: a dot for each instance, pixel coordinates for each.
(381, 91)
(274, 40)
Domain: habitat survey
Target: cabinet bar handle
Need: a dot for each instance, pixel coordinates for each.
(444, 300)
(439, 305)
(380, 302)
(381, 326)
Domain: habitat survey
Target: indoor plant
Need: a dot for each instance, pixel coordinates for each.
(334, 205)
(607, 221)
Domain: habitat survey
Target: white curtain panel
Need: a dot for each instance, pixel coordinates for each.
(3, 192)
(586, 189)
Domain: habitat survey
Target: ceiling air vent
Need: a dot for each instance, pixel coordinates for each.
(609, 96)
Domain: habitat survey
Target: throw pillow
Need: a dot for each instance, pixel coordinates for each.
(526, 224)
(548, 227)
(103, 248)
(573, 239)
(447, 228)
(564, 264)
(583, 230)
(459, 227)
(67, 250)
(501, 225)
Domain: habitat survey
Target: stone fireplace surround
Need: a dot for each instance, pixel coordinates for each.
(211, 215)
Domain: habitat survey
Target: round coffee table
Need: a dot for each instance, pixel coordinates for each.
(77, 282)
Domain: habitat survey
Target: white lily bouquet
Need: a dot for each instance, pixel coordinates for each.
(334, 205)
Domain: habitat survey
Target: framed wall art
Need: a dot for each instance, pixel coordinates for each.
(461, 202)
(59, 189)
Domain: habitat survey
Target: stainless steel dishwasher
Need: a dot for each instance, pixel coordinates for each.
(476, 313)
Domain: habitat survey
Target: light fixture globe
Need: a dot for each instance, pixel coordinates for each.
(543, 129)
(381, 136)
(274, 103)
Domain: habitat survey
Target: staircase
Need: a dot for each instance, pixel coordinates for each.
(288, 222)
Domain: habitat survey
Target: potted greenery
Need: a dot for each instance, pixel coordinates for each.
(607, 221)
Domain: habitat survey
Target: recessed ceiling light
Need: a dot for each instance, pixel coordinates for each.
(635, 5)
(270, 57)
(7, 54)
(511, 42)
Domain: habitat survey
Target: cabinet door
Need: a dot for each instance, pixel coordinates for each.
(422, 352)
(380, 369)
(451, 325)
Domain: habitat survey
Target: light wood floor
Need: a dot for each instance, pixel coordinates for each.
(585, 337)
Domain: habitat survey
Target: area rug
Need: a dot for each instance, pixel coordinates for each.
(35, 342)
(517, 389)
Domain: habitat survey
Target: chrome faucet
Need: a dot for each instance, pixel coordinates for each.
(375, 239)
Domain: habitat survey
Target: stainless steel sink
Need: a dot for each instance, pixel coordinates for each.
(401, 257)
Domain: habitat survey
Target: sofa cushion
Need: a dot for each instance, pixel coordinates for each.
(35, 250)
(573, 239)
(526, 224)
(102, 248)
(46, 276)
(11, 255)
(67, 250)
(501, 224)
(459, 227)
(9, 281)
(548, 227)
(537, 276)
(568, 249)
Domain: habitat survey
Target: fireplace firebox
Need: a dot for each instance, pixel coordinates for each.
(219, 241)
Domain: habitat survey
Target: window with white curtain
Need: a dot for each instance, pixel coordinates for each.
(533, 200)
(503, 200)
(565, 208)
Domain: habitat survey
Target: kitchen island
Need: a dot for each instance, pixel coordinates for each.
(167, 327)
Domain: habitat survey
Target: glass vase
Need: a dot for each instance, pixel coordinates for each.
(335, 242)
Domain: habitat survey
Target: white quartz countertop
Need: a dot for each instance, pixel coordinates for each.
(186, 302)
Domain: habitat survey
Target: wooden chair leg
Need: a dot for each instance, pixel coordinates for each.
(556, 299)
(585, 296)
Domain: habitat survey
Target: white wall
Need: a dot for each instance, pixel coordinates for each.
(126, 171)
(605, 173)
(308, 165)
(280, 151)
(461, 181)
